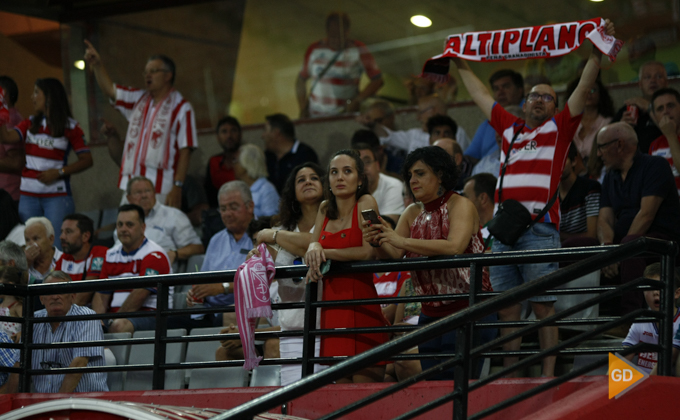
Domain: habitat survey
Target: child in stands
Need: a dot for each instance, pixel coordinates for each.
(648, 332)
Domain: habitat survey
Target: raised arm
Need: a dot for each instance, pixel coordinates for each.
(294, 242)
(9, 135)
(577, 100)
(94, 61)
(479, 93)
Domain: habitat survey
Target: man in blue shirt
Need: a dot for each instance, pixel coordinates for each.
(227, 249)
(61, 332)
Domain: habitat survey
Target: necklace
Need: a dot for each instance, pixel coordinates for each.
(432, 206)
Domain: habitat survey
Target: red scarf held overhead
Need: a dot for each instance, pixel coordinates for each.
(522, 43)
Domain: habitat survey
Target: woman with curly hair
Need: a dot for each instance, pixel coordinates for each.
(441, 222)
(337, 236)
(50, 134)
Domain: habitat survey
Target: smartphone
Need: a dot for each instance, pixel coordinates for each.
(371, 215)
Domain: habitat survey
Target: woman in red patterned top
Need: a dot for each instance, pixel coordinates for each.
(441, 222)
(49, 136)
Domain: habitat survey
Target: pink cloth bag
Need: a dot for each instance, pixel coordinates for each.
(251, 295)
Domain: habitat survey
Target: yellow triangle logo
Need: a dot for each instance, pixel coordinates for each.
(623, 375)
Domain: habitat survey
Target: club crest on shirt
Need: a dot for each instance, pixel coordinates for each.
(97, 263)
(150, 272)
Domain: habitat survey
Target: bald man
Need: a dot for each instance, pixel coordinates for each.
(410, 140)
(463, 162)
(639, 198)
(537, 155)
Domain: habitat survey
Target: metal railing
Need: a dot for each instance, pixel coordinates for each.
(464, 322)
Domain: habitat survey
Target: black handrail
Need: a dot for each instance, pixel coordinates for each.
(596, 257)
(473, 313)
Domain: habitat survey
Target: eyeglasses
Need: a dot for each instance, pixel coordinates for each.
(536, 96)
(603, 145)
(152, 71)
(50, 365)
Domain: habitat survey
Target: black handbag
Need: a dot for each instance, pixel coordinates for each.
(513, 219)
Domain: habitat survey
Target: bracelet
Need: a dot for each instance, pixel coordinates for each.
(225, 286)
(61, 172)
(276, 232)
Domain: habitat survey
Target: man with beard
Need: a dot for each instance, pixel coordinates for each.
(81, 260)
(220, 167)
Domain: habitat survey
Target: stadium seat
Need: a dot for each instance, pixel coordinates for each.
(268, 375)
(115, 380)
(202, 351)
(144, 353)
(224, 377)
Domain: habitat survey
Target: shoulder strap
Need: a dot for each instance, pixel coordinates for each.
(505, 164)
(325, 69)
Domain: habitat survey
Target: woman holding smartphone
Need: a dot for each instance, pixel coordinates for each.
(441, 222)
(338, 236)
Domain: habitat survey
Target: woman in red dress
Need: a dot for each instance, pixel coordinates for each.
(337, 236)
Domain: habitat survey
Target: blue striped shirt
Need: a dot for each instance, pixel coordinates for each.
(8, 357)
(62, 358)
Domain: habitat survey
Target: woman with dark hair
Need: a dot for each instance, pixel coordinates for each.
(12, 305)
(597, 113)
(300, 199)
(441, 222)
(337, 236)
(49, 135)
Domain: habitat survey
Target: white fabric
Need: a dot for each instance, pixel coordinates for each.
(291, 347)
(410, 140)
(388, 195)
(16, 235)
(647, 332)
(168, 227)
(37, 276)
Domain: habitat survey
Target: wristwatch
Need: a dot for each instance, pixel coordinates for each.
(179, 184)
(61, 172)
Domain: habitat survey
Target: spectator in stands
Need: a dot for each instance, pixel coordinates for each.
(337, 236)
(162, 129)
(134, 256)
(639, 198)
(282, 150)
(227, 250)
(11, 227)
(507, 87)
(12, 305)
(64, 332)
(542, 139)
(41, 254)
(443, 223)
(652, 78)
(251, 168)
(385, 189)
(378, 112)
(49, 135)
(381, 112)
(220, 168)
(12, 156)
(418, 87)
(598, 113)
(81, 260)
(481, 189)
(579, 204)
(335, 65)
(447, 91)
(441, 127)
(165, 225)
(287, 243)
(648, 332)
(414, 138)
(12, 255)
(463, 163)
(666, 113)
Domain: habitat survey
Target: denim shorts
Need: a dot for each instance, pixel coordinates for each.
(505, 277)
(143, 324)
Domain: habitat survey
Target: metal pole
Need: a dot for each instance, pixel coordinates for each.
(667, 309)
(161, 332)
(26, 356)
(308, 338)
(476, 279)
(461, 373)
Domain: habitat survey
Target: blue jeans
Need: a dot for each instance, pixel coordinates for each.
(540, 236)
(53, 208)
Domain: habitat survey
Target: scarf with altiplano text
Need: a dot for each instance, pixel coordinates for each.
(522, 43)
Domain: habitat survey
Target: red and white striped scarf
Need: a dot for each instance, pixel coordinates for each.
(522, 43)
(149, 134)
(251, 296)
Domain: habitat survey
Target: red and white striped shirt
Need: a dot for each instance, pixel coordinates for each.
(43, 152)
(182, 135)
(77, 269)
(659, 147)
(147, 260)
(537, 159)
(341, 80)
